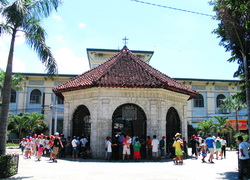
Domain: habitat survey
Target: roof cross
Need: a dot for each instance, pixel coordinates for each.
(125, 40)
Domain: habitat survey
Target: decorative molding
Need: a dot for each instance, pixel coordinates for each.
(224, 88)
(199, 87)
(36, 82)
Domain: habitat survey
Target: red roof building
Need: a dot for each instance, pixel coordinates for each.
(124, 70)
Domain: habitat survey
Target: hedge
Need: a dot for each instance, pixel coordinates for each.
(8, 165)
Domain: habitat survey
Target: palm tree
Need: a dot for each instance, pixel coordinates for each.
(18, 124)
(222, 125)
(34, 122)
(25, 16)
(235, 103)
(205, 127)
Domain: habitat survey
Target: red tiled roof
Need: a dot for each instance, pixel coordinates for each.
(124, 70)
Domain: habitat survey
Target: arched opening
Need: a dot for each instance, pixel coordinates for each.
(130, 119)
(81, 121)
(35, 96)
(173, 125)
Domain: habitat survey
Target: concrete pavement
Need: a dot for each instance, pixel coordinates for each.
(94, 169)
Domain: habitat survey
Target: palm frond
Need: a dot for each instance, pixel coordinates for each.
(35, 38)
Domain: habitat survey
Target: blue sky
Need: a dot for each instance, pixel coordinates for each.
(183, 43)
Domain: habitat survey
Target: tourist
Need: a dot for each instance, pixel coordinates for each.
(34, 145)
(178, 151)
(137, 147)
(106, 148)
(83, 142)
(41, 144)
(120, 139)
(109, 148)
(244, 159)
(50, 146)
(185, 148)
(163, 147)
(22, 145)
(203, 150)
(217, 147)
(56, 144)
(68, 146)
(74, 143)
(194, 143)
(28, 147)
(223, 147)
(62, 149)
(210, 145)
(126, 147)
(149, 147)
(143, 148)
(155, 144)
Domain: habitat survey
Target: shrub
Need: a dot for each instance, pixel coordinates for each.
(9, 165)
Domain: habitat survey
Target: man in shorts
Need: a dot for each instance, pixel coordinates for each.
(210, 145)
(57, 144)
(126, 147)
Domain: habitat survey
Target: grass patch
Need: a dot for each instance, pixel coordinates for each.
(12, 145)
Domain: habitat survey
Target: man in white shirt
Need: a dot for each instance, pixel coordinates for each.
(155, 144)
(223, 147)
(243, 157)
(74, 144)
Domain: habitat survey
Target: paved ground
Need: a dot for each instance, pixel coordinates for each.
(99, 169)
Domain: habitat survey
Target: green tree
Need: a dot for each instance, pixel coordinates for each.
(234, 104)
(205, 127)
(18, 124)
(16, 81)
(234, 31)
(222, 126)
(35, 122)
(25, 16)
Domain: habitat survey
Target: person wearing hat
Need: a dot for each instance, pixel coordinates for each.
(163, 147)
(194, 143)
(41, 145)
(22, 145)
(56, 144)
(177, 135)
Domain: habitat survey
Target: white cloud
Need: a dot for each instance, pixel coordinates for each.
(60, 38)
(69, 63)
(59, 18)
(82, 25)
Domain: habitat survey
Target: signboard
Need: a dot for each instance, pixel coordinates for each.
(241, 122)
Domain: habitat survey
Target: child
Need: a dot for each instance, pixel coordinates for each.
(137, 147)
(203, 150)
(22, 144)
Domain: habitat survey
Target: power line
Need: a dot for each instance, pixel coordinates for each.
(173, 8)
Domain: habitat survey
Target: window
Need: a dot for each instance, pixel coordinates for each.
(35, 97)
(199, 101)
(60, 100)
(220, 99)
(13, 96)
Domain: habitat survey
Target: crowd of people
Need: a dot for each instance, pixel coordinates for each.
(54, 145)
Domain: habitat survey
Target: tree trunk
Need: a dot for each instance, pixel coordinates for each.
(6, 96)
(247, 89)
(237, 121)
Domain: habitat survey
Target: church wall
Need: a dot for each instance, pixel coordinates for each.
(102, 102)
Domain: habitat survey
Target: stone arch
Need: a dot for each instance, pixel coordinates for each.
(81, 121)
(173, 125)
(130, 119)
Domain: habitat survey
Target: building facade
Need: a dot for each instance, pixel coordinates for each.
(153, 107)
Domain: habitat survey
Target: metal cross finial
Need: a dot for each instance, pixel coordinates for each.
(125, 40)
